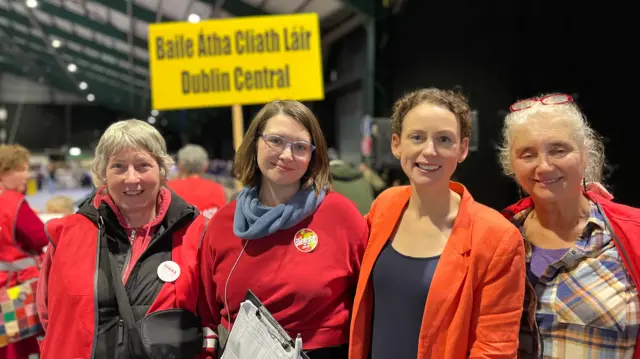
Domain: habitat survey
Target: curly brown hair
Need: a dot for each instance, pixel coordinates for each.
(13, 157)
(454, 102)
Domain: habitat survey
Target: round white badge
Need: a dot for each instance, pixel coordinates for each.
(168, 271)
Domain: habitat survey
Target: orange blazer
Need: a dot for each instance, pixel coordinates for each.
(476, 296)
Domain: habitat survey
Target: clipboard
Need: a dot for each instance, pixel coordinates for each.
(265, 315)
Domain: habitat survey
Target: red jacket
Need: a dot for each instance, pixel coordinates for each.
(16, 263)
(21, 242)
(208, 196)
(69, 303)
(310, 293)
(624, 225)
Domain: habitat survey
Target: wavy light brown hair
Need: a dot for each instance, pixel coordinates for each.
(13, 157)
(454, 102)
(245, 166)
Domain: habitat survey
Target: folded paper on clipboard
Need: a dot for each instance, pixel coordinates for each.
(257, 335)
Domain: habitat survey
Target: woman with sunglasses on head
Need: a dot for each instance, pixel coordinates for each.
(582, 249)
(290, 240)
(443, 276)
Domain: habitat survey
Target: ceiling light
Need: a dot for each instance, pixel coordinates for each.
(72, 67)
(32, 3)
(90, 97)
(194, 18)
(83, 85)
(151, 120)
(75, 151)
(56, 43)
(154, 112)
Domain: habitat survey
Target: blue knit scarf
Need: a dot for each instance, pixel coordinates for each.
(254, 220)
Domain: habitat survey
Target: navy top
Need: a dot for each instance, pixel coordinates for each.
(400, 288)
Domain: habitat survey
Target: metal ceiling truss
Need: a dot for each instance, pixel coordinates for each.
(79, 52)
(12, 49)
(101, 87)
(110, 55)
(86, 65)
(58, 81)
(97, 35)
(77, 37)
(106, 63)
(367, 8)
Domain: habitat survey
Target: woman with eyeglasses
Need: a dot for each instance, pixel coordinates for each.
(582, 249)
(290, 240)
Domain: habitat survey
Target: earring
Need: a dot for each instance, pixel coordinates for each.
(584, 184)
(520, 192)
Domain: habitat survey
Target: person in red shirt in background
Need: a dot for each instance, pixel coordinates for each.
(206, 195)
(22, 235)
(289, 239)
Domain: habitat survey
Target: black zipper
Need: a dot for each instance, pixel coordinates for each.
(120, 332)
(127, 259)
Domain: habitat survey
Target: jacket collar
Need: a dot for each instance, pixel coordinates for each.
(462, 225)
(171, 210)
(527, 202)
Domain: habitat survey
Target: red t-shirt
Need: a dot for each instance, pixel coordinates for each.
(308, 291)
(206, 195)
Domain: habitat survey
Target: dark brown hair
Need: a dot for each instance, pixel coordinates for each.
(454, 102)
(245, 166)
(13, 157)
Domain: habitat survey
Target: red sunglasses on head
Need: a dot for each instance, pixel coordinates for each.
(555, 99)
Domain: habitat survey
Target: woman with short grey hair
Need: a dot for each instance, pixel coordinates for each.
(193, 160)
(124, 266)
(207, 195)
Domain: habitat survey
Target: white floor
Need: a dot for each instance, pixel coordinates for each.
(38, 200)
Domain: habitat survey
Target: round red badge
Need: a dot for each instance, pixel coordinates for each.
(305, 240)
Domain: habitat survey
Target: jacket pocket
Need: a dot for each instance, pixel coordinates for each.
(596, 298)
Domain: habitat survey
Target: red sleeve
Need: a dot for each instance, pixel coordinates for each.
(208, 307)
(30, 229)
(360, 245)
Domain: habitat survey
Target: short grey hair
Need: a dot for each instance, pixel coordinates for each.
(127, 134)
(192, 159)
(589, 141)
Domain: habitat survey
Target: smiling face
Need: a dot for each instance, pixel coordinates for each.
(548, 162)
(430, 145)
(133, 180)
(282, 168)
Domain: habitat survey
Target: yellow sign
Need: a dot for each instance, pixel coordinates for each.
(247, 60)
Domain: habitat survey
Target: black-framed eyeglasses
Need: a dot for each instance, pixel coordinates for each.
(554, 99)
(278, 143)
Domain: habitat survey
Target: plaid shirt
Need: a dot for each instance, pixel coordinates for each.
(583, 306)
